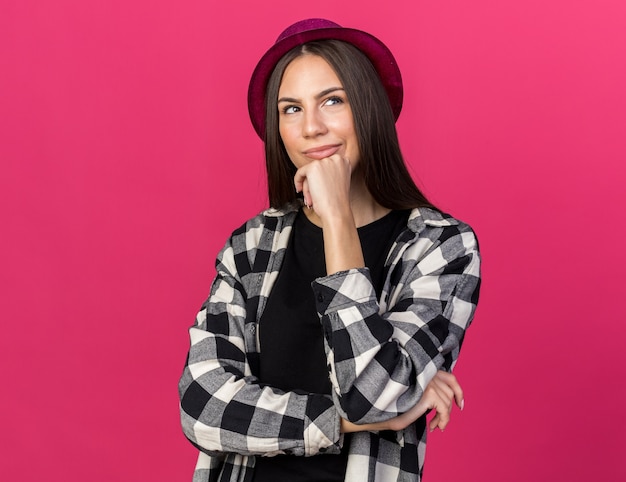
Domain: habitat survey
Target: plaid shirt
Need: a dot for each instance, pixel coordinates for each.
(381, 353)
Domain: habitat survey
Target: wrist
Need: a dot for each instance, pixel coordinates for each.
(348, 427)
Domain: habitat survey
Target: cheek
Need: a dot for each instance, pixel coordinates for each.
(287, 136)
(287, 142)
(282, 131)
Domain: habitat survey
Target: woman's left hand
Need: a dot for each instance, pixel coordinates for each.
(447, 390)
(440, 393)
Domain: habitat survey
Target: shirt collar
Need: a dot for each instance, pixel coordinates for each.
(418, 219)
(421, 217)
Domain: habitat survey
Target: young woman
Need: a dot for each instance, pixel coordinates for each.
(337, 314)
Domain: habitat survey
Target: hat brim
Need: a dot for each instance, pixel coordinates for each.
(381, 57)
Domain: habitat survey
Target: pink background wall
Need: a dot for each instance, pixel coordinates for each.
(127, 157)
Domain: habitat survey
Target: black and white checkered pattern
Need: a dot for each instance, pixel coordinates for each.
(381, 353)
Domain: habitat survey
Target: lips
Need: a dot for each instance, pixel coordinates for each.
(322, 152)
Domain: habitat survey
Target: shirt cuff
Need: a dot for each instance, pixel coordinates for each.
(343, 289)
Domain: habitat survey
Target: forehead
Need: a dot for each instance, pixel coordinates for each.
(308, 72)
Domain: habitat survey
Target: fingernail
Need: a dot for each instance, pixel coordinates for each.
(462, 404)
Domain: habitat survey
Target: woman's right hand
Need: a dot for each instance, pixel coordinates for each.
(325, 186)
(442, 390)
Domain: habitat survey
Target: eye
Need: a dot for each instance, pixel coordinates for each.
(333, 100)
(290, 109)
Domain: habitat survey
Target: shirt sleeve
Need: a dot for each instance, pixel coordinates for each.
(382, 357)
(223, 406)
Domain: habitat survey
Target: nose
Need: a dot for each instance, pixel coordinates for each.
(313, 123)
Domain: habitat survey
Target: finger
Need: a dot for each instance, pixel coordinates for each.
(452, 383)
(432, 425)
(443, 388)
(442, 406)
(306, 194)
(459, 396)
(301, 185)
(299, 178)
(441, 418)
(444, 419)
(444, 396)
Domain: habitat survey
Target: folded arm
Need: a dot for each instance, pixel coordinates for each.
(223, 406)
(382, 359)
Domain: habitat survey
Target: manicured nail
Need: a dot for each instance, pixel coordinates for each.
(462, 404)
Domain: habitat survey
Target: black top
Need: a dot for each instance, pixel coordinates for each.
(292, 355)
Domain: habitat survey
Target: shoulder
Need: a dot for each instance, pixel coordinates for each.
(439, 226)
(434, 244)
(266, 222)
(258, 234)
(436, 241)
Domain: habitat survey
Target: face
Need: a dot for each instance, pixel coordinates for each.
(315, 118)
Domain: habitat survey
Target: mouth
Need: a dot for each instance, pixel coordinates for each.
(322, 152)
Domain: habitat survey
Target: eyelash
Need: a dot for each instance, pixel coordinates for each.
(335, 99)
(285, 109)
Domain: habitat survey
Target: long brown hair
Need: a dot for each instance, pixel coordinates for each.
(385, 172)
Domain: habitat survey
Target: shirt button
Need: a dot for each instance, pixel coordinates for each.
(320, 297)
(252, 328)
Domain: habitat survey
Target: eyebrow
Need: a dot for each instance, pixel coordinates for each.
(318, 96)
